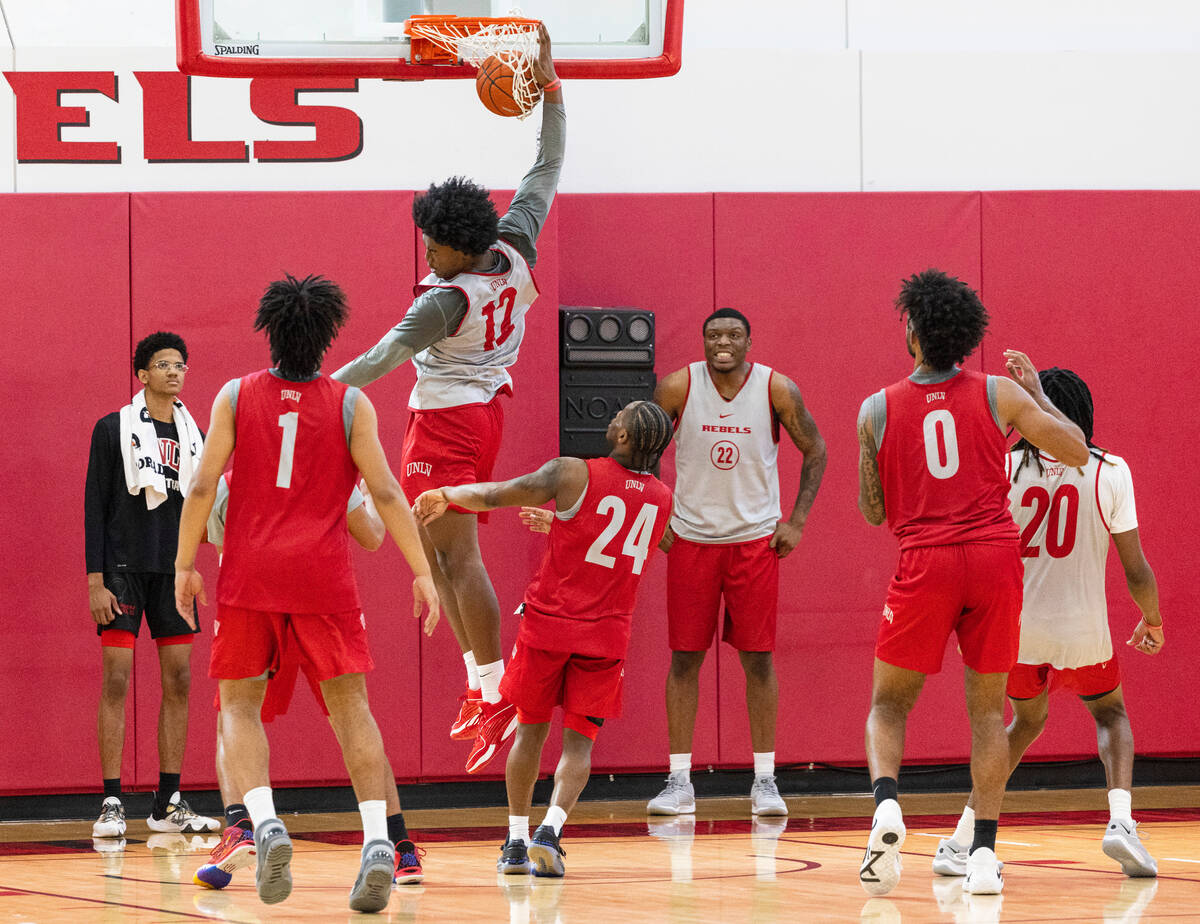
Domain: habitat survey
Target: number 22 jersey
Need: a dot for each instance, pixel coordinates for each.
(582, 598)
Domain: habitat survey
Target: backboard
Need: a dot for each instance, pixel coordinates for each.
(600, 39)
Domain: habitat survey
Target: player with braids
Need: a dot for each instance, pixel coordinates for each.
(932, 461)
(462, 333)
(577, 614)
(301, 317)
(1066, 515)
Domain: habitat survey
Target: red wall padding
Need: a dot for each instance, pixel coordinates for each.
(1099, 282)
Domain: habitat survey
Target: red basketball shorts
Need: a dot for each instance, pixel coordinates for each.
(699, 574)
(972, 589)
(1026, 681)
(587, 688)
(456, 445)
(249, 643)
(282, 684)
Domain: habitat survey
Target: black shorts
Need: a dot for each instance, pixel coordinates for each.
(141, 593)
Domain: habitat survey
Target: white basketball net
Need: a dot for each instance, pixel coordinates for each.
(515, 44)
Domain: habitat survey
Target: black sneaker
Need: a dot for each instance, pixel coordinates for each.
(545, 853)
(514, 859)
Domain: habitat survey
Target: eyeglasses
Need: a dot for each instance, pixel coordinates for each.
(163, 366)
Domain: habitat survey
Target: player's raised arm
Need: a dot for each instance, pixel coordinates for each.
(1021, 403)
(561, 480)
(368, 455)
(523, 221)
(193, 522)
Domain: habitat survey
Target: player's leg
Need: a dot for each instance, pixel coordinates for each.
(570, 777)
(683, 700)
(989, 773)
(236, 847)
(466, 724)
(116, 664)
(762, 704)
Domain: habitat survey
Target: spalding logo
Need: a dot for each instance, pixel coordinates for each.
(236, 49)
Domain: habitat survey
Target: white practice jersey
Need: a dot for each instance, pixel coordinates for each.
(471, 365)
(1065, 516)
(726, 478)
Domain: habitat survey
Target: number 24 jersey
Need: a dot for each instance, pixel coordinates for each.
(583, 596)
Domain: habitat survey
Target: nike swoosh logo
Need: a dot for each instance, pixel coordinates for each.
(723, 416)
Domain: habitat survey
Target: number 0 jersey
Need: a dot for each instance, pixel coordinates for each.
(1065, 516)
(471, 365)
(942, 463)
(583, 596)
(286, 542)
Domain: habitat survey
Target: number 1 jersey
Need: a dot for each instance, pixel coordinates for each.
(942, 463)
(583, 596)
(286, 542)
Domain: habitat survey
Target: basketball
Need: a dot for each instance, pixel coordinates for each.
(494, 84)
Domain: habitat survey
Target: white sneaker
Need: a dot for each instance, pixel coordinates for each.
(950, 859)
(984, 873)
(765, 798)
(180, 819)
(111, 822)
(1121, 842)
(879, 872)
(678, 798)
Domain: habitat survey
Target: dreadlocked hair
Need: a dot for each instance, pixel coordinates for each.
(650, 433)
(301, 318)
(946, 315)
(458, 214)
(1070, 394)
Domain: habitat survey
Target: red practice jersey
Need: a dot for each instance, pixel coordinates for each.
(286, 543)
(942, 464)
(583, 596)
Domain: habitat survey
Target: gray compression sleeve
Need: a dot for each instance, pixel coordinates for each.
(875, 410)
(523, 221)
(434, 315)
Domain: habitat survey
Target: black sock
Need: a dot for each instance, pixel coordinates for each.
(985, 834)
(397, 830)
(236, 816)
(168, 785)
(112, 788)
(885, 788)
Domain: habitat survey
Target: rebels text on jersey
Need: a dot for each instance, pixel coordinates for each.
(583, 596)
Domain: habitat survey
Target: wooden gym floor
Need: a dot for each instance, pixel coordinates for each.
(623, 866)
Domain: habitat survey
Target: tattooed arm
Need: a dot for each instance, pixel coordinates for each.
(870, 488)
(794, 417)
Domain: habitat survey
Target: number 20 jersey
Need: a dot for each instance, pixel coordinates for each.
(286, 542)
(471, 365)
(1065, 515)
(942, 464)
(583, 596)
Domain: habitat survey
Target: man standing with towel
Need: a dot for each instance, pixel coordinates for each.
(141, 463)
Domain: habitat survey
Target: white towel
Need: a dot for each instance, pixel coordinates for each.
(139, 450)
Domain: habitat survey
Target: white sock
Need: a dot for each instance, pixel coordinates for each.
(764, 763)
(964, 832)
(472, 670)
(260, 804)
(1120, 805)
(518, 828)
(681, 765)
(555, 818)
(374, 820)
(489, 680)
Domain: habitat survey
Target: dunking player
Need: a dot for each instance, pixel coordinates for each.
(932, 454)
(729, 538)
(236, 848)
(1065, 515)
(577, 612)
(132, 501)
(285, 574)
(462, 333)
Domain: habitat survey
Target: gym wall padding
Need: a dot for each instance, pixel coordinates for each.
(1102, 282)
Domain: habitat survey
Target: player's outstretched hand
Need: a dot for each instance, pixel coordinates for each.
(543, 64)
(103, 604)
(538, 519)
(786, 538)
(1021, 370)
(425, 596)
(1147, 639)
(189, 585)
(429, 505)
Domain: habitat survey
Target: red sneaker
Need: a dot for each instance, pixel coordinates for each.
(408, 864)
(497, 722)
(466, 726)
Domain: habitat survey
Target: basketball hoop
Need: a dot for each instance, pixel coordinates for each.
(438, 39)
